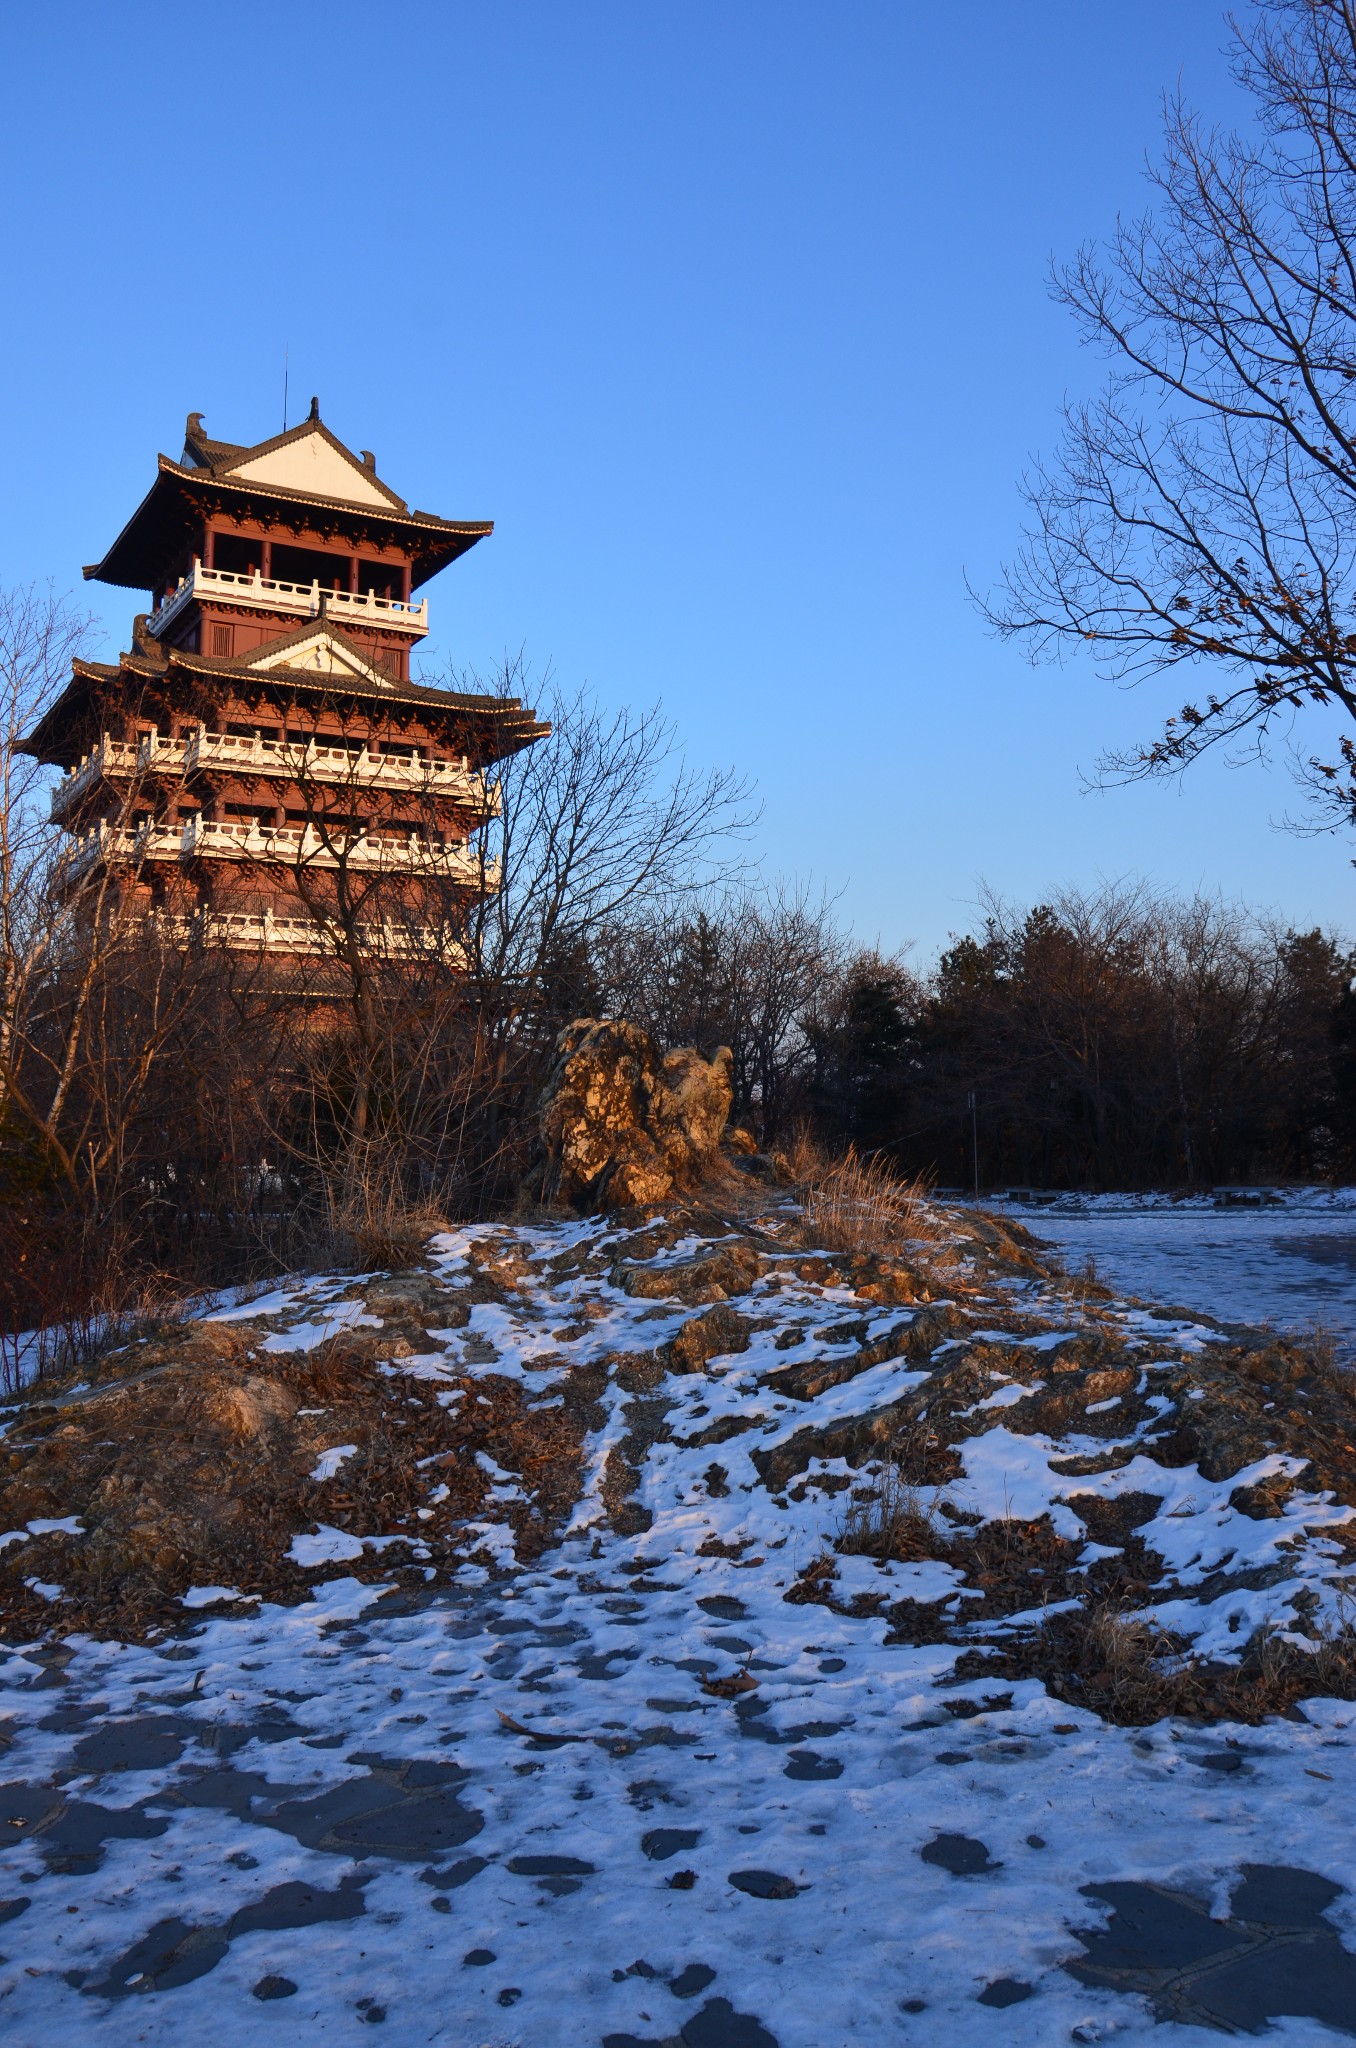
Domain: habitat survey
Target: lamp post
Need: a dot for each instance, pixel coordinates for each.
(972, 1105)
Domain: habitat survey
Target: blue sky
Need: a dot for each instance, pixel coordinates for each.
(732, 317)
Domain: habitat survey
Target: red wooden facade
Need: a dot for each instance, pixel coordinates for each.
(260, 757)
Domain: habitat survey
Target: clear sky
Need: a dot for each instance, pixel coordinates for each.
(731, 314)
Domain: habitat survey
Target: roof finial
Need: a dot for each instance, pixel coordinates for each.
(314, 413)
(193, 425)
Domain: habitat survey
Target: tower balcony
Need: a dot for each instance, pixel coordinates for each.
(242, 840)
(350, 768)
(122, 843)
(298, 762)
(257, 592)
(249, 931)
(110, 758)
(306, 846)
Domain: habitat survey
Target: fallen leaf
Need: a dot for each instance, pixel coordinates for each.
(537, 1734)
(727, 1688)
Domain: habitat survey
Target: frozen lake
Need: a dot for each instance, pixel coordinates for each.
(1293, 1266)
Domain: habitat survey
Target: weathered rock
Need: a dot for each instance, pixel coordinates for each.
(719, 1331)
(736, 1139)
(714, 1277)
(247, 1410)
(623, 1125)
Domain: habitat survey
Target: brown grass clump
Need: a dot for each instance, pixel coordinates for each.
(371, 1225)
(1124, 1668)
(889, 1520)
(191, 1462)
(858, 1206)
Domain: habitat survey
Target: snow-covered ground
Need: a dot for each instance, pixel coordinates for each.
(1292, 1265)
(632, 1795)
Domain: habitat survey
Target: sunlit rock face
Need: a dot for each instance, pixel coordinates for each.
(624, 1125)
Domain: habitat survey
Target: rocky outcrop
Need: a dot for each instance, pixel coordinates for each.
(624, 1125)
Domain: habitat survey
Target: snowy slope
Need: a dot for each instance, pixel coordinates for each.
(631, 1792)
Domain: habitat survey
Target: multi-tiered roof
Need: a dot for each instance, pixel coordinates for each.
(261, 748)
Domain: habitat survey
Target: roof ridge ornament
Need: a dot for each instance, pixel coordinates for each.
(314, 413)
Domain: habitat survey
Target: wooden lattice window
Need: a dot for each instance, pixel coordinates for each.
(223, 640)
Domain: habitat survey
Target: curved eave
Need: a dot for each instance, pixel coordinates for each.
(504, 726)
(171, 510)
(56, 740)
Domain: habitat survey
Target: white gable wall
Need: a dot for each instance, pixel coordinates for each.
(311, 464)
(319, 653)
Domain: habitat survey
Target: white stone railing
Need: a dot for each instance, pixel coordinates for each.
(104, 842)
(293, 845)
(307, 846)
(110, 757)
(248, 931)
(314, 761)
(272, 594)
(291, 761)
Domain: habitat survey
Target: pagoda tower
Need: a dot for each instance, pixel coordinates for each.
(258, 770)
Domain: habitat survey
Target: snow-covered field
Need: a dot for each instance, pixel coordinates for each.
(1292, 1265)
(631, 1795)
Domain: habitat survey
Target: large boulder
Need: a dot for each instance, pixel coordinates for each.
(624, 1125)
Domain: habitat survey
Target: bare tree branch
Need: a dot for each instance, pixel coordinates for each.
(1201, 514)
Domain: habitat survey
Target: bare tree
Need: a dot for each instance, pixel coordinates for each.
(61, 917)
(594, 823)
(748, 968)
(1201, 513)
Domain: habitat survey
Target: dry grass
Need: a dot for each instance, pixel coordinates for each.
(1321, 1342)
(370, 1222)
(890, 1520)
(857, 1205)
(32, 1361)
(1126, 1669)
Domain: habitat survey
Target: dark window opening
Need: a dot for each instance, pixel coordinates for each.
(237, 553)
(310, 565)
(333, 821)
(381, 579)
(298, 738)
(250, 732)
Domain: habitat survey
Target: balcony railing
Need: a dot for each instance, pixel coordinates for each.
(303, 600)
(290, 845)
(306, 846)
(314, 761)
(247, 931)
(110, 757)
(285, 760)
(105, 842)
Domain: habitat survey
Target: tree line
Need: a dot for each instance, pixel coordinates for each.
(1107, 1039)
(181, 1113)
